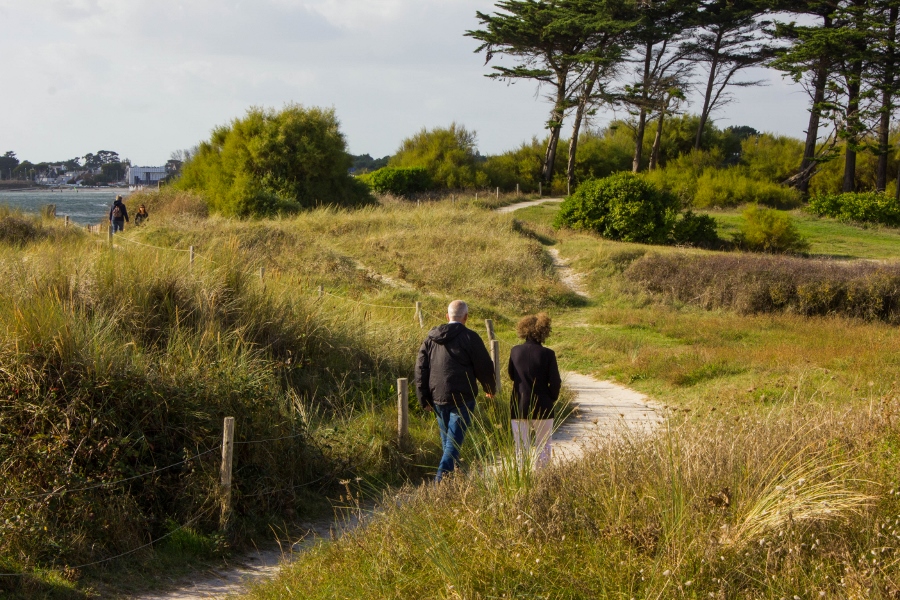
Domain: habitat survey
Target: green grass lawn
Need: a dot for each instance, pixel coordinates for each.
(691, 357)
(827, 237)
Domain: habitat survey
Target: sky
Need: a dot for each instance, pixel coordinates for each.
(147, 77)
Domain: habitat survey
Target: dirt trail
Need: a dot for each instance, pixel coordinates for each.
(235, 576)
(602, 409)
(514, 207)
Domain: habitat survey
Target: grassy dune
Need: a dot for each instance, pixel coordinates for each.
(775, 476)
(124, 359)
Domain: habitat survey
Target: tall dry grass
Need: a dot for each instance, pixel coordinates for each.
(123, 360)
(797, 501)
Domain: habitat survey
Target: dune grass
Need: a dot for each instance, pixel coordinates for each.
(192, 342)
(736, 505)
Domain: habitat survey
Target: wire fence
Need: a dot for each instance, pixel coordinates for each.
(123, 554)
(65, 490)
(191, 522)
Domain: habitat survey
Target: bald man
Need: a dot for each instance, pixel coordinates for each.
(451, 363)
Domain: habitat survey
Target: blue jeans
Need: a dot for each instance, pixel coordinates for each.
(117, 225)
(452, 423)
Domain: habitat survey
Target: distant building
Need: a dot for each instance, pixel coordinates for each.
(144, 175)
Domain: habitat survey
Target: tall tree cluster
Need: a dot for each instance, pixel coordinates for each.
(646, 55)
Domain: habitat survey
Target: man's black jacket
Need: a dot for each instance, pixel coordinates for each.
(451, 363)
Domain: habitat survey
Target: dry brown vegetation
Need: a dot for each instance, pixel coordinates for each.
(750, 284)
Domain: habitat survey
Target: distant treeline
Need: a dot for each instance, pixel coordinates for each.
(645, 56)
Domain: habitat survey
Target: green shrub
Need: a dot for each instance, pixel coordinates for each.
(695, 230)
(271, 162)
(600, 154)
(448, 154)
(771, 158)
(699, 179)
(722, 188)
(399, 181)
(621, 207)
(769, 230)
(521, 167)
(866, 207)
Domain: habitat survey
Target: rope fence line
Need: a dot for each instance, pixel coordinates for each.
(150, 245)
(147, 474)
(118, 556)
(361, 303)
(419, 312)
(106, 483)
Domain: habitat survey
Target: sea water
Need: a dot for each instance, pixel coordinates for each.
(85, 207)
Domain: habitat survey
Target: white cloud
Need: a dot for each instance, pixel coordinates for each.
(144, 77)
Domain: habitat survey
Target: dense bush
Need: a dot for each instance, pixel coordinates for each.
(620, 207)
(700, 179)
(399, 181)
(750, 283)
(865, 207)
(521, 167)
(772, 158)
(769, 230)
(733, 187)
(448, 154)
(626, 207)
(695, 230)
(270, 162)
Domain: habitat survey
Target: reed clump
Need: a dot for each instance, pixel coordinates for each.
(768, 284)
(18, 229)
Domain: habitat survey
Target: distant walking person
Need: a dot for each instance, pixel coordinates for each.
(451, 363)
(118, 215)
(536, 384)
(141, 215)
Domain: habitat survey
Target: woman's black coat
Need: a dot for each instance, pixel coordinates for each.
(536, 381)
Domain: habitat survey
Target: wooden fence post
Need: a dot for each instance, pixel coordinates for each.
(517, 189)
(489, 325)
(67, 221)
(402, 409)
(191, 252)
(109, 234)
(262, 274)
(541, 189)
(498, 193)
(225, 473)
(495, 356)
(321, 291)
(419, 314)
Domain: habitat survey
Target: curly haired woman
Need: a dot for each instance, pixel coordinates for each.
(536, 384)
